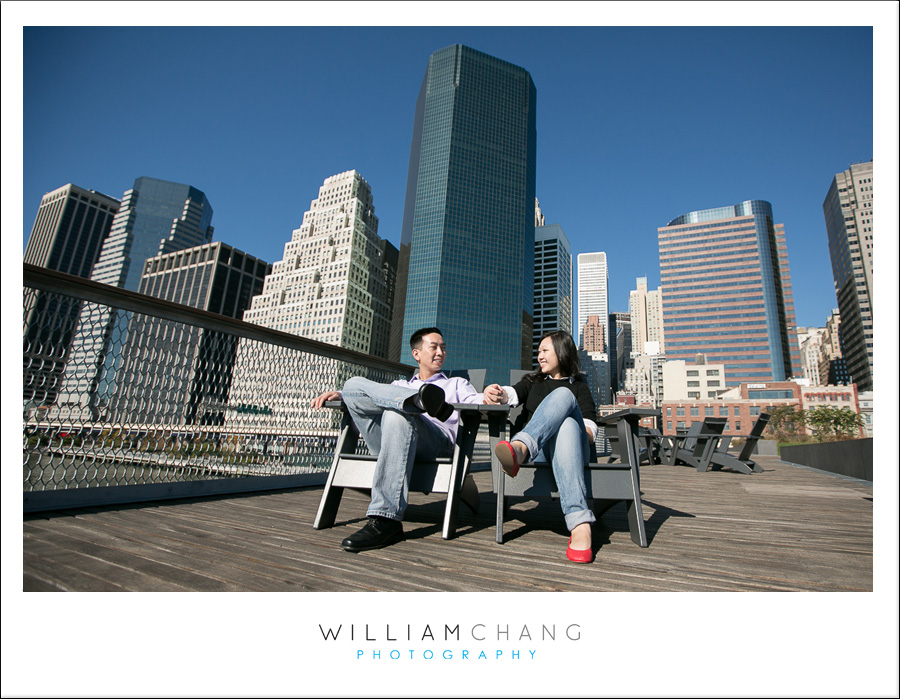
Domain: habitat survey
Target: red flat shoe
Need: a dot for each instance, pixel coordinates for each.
(576, 556)
(508, 459)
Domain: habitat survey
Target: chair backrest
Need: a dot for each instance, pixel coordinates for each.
(690, 440)
(473, 376)
(710, 430)
(755, 434)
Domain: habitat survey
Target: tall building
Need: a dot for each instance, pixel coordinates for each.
(849, 217)
(552, 284)
(156, 216)
(810, 340)
(619, 348)
(594, 360)
(197, 363)
(593, 292)
(593, 334)
(644, 380)
(336, 279)
(334, 284)
(832, 367)
(68, 231)
(645, 309)
(726, 292)
(467, 238)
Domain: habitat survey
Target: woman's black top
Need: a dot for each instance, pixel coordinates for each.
(531, 393)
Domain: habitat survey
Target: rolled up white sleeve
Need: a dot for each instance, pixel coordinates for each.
(511, 395)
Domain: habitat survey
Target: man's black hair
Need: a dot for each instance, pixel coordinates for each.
(415, 342)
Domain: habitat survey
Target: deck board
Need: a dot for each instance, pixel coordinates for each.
(786, 529)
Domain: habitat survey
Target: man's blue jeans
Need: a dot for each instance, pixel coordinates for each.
(395, 431)
(556, 434)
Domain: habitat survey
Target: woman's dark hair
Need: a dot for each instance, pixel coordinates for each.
(566, 353)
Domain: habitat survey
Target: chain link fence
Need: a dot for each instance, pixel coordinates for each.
(122, 389)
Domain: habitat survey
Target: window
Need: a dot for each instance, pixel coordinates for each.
(694, 394)
(709, 411)
(754, 410)
(679, 411)
(723, 410)
(693, 384)
(693, 372)
(695, 411)
(712, 372)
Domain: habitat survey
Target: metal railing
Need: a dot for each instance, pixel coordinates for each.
(128, 397)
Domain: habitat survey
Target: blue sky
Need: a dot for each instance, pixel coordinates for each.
(636, 125)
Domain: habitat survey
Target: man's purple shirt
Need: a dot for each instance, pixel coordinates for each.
(456, 390)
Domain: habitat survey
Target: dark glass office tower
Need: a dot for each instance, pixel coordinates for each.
(467, 243)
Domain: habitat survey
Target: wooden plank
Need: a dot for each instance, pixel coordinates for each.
(787, 528)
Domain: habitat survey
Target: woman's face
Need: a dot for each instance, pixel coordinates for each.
(547, 359)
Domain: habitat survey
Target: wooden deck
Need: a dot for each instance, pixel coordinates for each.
(786, 529)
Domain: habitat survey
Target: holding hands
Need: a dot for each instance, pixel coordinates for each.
(495, 395)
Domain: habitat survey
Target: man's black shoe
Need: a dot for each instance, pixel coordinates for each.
(378, 533)
(434, 402)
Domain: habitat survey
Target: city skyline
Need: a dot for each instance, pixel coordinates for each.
(649, 129)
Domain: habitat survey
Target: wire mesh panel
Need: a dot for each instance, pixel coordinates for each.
(130, 390)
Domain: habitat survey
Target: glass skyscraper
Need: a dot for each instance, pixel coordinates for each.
(467, 241)
(726, 292)
(552, 284)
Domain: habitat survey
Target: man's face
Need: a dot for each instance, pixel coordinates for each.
(431, 355)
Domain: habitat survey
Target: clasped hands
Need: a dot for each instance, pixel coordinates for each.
(495, 395)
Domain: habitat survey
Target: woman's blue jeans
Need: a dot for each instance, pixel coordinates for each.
(555, 434)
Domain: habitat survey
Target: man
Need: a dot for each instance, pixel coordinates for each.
(398, 422)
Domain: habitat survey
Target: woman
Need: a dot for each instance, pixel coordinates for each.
(558, 424)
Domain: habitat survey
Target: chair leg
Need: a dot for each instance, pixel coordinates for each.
(636, 523)
(328, 507)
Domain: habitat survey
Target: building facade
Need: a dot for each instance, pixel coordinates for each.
(726, 292)
(849, 220)
(645, 310)
(619, 348)
(552, 284)
(683, 381)
(335, 282)
(593, 292)
(467, 238)
(156, 216)
(68, 232)
(644, 380)
(743, 404)
(191, 367)
(832, 367)
(810, 340)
